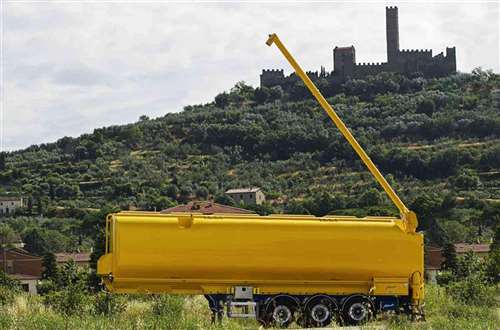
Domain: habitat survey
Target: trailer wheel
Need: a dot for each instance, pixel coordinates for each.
(320, 311)
(357, 310)
(279, 312)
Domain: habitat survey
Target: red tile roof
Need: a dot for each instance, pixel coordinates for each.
(464, 247)
(206, 208)
(76, 257)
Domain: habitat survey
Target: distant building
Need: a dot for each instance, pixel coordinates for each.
(21, 265)
(80, 259)
(435, 258)
(404, 61)
(206, 207)
(8, 205)
(433, 263)
(480, 250)
(250, 196)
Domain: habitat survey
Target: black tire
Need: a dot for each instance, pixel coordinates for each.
(357, 310)
(279, 312)
(320, 311)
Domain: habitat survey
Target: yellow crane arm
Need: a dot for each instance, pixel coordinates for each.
(409, 217)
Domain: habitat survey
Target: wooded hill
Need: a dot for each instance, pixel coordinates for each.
(437, 142)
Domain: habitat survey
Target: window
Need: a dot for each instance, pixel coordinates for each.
(26, 287)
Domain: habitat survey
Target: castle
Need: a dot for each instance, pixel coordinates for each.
(402, 61)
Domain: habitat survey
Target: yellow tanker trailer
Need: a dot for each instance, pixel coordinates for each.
(277, 268)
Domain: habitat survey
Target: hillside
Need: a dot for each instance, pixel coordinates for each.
(436, 140)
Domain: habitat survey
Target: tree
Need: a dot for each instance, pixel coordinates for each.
(132, 135)
(202, 192)
(30, 205)
(185, 194)
(2, 161)
(80, 153)
(224, 200)
(467, 180)
(7, 237)
(275, 93)
(222, 100)
(172, 191)
(427, 107)
(450, 257)
(261, 95)
(370, 197)
(39, 205)
(243, 91)
(49, 264)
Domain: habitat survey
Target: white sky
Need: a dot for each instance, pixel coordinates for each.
(69, 67)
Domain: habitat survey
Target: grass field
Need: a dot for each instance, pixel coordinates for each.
(171, 312)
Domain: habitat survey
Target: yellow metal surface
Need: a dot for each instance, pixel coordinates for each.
(206, 254)
(407, 215)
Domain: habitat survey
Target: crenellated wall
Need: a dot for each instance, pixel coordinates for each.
(404, 61)
(272, 77)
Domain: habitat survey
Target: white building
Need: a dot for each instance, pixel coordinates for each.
(249, 196)
(9, 205)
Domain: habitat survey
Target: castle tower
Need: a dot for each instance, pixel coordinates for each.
(344, 61)
(392, 33)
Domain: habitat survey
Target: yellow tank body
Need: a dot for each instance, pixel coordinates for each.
(210, 254)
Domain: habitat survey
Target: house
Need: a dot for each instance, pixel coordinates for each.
(250, 196)
(480, 250)
(80, 259)
(206, 207)
(433, 262)
(435, 258)
(21, 265)
(9, 205)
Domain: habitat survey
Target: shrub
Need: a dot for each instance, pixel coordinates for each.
(8, 282)
(109, 304)
(72, 300)
(46, 286)
(445, 277)
(472, 291)
(168, 306)
(7, 295)
(8, 289)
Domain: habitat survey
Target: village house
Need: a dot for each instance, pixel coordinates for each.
(206, 207)
(480, 250)
(433, 263)
(9, 205)
(435, 258)
(80, 259)
(249, 196)
(21, 265)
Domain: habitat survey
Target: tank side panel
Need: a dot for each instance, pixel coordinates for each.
(259, 250)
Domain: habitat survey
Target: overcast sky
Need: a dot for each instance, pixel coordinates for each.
(70, 67)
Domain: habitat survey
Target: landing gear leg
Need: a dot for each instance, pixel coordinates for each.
(417, 313)
(217, 316)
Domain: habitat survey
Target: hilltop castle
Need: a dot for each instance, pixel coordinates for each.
(401, 61)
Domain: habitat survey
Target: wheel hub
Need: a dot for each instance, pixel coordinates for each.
(282, 314)
(320, 313)
(358, 311)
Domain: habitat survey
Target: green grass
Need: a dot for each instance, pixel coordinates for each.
(140, 312)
